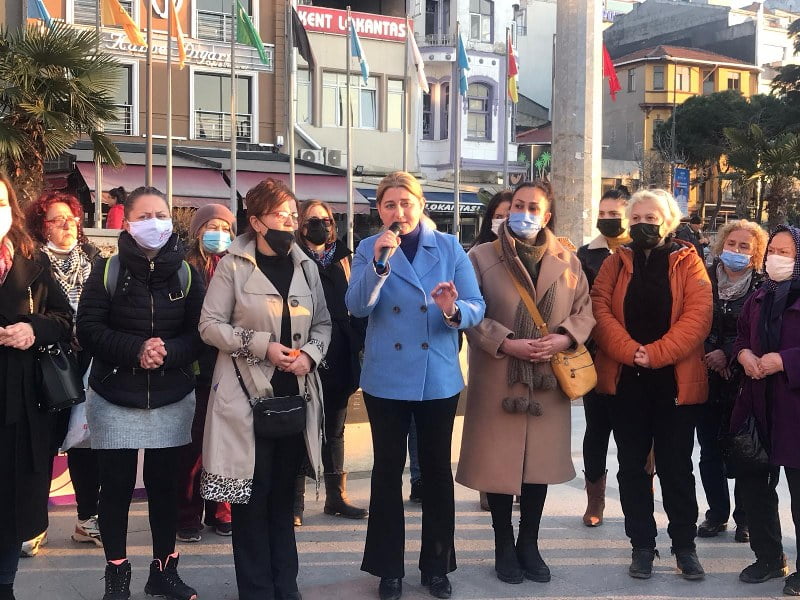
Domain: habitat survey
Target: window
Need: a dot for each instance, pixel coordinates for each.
(709, 82)
(84, 12)
(302, 108)
(631, 80)
(123, 103)
(734, 82)
(521, 20)
(214, 19)
(212, 105)
(658, 77)
(480, 20)
(395, 105)
(363, 101)
(437, 21)
(444, 103)
(683, 80)
(656, 124)
(427, 117)
(478, 112)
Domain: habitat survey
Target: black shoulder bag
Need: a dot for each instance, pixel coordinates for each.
(277, 417)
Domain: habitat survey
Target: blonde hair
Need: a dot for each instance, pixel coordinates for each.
(760, 239)
(399, 179)
(666, 205)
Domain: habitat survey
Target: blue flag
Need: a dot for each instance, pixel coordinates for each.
(37, 10)
(358, 52)
(463, 67)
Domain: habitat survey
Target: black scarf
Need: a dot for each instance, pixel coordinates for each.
(779, 296)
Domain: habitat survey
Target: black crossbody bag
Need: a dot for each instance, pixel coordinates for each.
(277, 417)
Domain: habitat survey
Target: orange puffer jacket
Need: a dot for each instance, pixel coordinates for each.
(681, 346)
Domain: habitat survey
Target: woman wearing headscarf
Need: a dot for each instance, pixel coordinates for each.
(768, 348)
(211, 232)
(652, 301)
(33, 311)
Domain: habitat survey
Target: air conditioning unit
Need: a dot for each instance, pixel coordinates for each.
(336, 158)
(317, 156)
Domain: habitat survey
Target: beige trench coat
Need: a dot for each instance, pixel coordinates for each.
(239, 298)
(499, 450)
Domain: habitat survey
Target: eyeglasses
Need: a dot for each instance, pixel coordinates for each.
(285, 215)
(326, 220)
(61, 221)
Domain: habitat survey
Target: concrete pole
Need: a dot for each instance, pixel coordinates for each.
(577, 117)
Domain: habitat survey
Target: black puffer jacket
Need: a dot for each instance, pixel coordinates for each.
(148, 302)
(726, 313)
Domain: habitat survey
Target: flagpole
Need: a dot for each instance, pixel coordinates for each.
(507, 122)
(292, 84)
(98, 167)
(148, 102)
(350, 208)
(232, 179)
(169, 107)
(406, 102)
(457, 101)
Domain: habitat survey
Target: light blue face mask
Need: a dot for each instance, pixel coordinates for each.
(216, 242)
(735, 261)
(526, 227)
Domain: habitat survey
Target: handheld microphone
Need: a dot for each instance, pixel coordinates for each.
(383, 257)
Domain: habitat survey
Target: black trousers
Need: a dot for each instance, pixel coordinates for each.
(335, 406)
(117, 480)
(597, 408)
(264, 546)
(712, 467)
(761, 504)
(645, 415)
(84, 471)
(385, 546)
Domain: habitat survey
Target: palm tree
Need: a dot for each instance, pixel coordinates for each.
(54, 87)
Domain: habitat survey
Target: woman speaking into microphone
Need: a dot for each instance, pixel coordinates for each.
(416, 300)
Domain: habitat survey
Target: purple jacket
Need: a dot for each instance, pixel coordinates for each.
(785, 409)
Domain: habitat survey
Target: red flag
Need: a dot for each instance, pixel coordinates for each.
(610, 72)
(513, 72)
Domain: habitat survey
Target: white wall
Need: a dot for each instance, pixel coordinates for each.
(535, 51)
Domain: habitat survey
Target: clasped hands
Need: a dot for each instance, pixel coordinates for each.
(19, 336)
(152, 354)
(536, 350)
(290, 360)
(759, 368)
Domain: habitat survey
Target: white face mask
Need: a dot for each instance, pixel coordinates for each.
(61, 250)
(779, 268)
(151, 234)
(496, 225)
(5, 221)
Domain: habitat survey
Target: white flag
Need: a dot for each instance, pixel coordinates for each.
(417, 62)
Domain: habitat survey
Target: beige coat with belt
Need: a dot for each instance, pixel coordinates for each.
(241, 298)
(499, 450)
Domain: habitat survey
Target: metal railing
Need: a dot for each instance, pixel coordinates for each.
(84, 12)
(124, 123)
(210, 125)
(213, 26)
(436, 39)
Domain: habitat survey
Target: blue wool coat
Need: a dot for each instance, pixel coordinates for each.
(411, 351)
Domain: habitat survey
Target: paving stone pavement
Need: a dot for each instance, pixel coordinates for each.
(586, 563)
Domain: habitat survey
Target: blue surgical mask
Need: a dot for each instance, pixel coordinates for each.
(526, 227)
(735, 261)
(216, 242)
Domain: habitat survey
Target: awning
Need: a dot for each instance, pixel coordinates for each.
(328, 188)
(439, 202)
(190, 187)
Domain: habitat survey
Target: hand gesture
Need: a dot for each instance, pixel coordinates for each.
(19, 336)
(751, 364)
(716, 361)
(386, 240)
(545, 347)
(301, 365)
(771, 363)
(445, 295)
(152, 354)
(642, 358)
(280, 356)
(519, 349)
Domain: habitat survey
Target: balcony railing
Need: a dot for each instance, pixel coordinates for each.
(84, 12)
(124, 123)
(213, 26)
(209, 125)
(436, 39)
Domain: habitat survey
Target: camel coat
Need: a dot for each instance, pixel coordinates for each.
(240, 298)
(500, 451)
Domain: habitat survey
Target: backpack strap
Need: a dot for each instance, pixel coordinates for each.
(111, 274)
(345, 262)
(185, 281)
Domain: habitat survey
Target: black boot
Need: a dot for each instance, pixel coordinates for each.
(299, 499)
(165, 581)
(336, 498)
(689, 565)
(118, 581)
(506, 563)
(531, 507)
(7, 591)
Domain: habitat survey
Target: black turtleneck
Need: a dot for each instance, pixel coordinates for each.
(409, 242)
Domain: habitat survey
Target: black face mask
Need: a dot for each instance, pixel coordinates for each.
(279, 241)
(610, 228)
(645, 235)
(317, 232)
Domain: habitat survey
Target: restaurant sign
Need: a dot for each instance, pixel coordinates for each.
(317, 19)
(448, 207)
